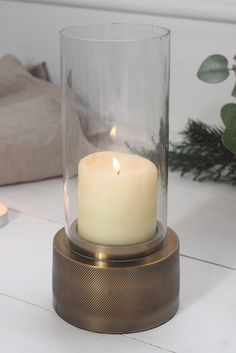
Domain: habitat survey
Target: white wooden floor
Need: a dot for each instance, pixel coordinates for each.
(203, 215)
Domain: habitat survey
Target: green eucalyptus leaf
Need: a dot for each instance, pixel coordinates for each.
(214, 69)
(228, 115)
(229, 139)
(234, 91)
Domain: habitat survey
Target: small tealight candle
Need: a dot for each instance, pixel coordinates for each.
(3, 215)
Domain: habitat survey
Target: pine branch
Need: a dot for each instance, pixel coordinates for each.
(203, 154)
(158, 152)
(152, 155)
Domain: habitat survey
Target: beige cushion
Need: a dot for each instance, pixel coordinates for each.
(30, 126)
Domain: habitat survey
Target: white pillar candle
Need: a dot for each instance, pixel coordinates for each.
(117, 198)
(3, 215)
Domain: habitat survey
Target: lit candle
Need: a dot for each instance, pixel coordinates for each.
(117, 198)
(3, 215)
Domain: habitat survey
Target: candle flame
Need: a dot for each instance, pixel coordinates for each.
(113, 132)
(116, 166)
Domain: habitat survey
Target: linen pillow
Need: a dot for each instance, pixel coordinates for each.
(30, 126)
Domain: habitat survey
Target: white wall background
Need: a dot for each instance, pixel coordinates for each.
(29, 29)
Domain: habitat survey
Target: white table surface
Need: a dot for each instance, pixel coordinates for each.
(203, 215)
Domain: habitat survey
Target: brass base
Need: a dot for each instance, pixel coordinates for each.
(116, 297)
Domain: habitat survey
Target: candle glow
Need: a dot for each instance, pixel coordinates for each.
(3, 215)
(116, 165)
(113, 132)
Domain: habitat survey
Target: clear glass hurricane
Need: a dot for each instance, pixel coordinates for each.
(115, 91)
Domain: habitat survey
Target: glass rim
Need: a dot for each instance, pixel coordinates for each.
(65, 32)
(114, 252)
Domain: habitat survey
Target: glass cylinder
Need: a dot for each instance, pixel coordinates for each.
(115, 90)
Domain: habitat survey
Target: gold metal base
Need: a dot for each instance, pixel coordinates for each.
(116, 297)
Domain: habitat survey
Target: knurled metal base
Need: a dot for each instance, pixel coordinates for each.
(116, 297)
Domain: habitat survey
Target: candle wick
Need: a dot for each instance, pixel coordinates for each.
(118, 172)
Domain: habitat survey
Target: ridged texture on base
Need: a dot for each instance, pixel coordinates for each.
(116, 297)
